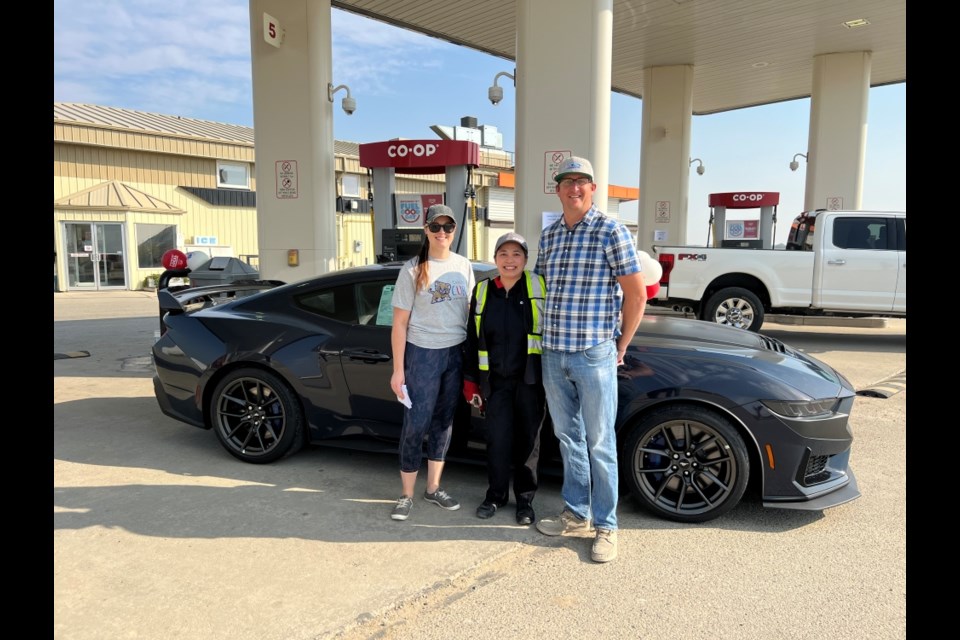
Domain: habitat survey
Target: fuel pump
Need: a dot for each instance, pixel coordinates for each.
(418, 157)
(747, 233)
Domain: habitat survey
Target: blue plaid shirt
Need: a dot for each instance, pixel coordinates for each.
(581, 267)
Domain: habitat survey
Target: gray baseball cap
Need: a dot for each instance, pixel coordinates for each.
(511, 237)
(574, 165)
(437, 211)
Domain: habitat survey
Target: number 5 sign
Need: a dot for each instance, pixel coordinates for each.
(272, 31)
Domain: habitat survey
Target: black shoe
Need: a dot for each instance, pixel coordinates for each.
(525, 515)
(487, 509)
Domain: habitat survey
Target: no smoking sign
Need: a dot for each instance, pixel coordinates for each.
(287, 180)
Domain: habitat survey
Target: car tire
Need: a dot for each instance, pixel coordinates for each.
(735, 307)
(686, 463)
(256, 416)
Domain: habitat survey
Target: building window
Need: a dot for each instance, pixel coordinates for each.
(231, 175)
(350, 185)
(153, 240)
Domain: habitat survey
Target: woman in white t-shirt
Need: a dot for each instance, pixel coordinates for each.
(431, 302)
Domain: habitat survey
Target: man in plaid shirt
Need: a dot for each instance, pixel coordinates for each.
(595, 301)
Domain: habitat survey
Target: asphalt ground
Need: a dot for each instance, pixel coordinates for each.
(160, 534)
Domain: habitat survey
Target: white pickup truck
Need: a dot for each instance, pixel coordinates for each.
(835, 263)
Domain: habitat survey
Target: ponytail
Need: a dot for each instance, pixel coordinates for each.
(423, 267)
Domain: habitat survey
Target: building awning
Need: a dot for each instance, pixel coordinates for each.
(623, 194)
(224, 197)
(115, 196)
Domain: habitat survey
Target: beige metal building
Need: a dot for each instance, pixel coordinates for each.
(129, 185)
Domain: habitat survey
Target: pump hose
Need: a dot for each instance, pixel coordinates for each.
(468, 192)
(474, 233)
(373, 219)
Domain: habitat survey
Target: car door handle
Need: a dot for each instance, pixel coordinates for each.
(367, 355)
(837, 261)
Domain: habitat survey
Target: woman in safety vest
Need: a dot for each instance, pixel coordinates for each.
(502, 375)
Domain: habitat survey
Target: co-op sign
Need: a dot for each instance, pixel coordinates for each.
(400, 150)
(745, 199)
(419, 156)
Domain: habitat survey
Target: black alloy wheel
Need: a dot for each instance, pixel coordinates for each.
(256, 416)
(686, 463)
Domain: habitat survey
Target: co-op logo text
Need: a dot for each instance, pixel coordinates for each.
(419, 150)
(747, 197)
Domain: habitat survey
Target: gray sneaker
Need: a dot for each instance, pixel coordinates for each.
(401, 511)
(567, 523)
(442, 499)
(604, 546)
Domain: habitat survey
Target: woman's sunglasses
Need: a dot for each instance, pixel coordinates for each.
(447, 228)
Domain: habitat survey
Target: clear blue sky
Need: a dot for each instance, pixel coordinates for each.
(193, 59)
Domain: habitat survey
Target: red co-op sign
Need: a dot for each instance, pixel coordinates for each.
(745, 199)
(419, 156)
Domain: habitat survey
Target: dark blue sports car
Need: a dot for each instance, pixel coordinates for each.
(705, 411)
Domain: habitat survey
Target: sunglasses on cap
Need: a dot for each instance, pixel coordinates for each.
(447, 227)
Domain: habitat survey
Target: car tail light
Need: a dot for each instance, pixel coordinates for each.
(666, 263)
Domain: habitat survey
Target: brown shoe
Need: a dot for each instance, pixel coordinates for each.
(567, 523)
(604, 546)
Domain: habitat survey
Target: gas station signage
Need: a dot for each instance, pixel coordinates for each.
(419, 156)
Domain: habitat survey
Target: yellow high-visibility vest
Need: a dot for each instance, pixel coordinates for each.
(536, 290)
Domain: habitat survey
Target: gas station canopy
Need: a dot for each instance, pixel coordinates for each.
(745, 52)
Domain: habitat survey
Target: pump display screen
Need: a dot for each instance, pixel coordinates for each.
(401, 244)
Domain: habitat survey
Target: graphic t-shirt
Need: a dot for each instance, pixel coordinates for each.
(438, 315)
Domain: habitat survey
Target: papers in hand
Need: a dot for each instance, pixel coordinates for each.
(405, 400)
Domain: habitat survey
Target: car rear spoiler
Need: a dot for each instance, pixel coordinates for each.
(186, 299)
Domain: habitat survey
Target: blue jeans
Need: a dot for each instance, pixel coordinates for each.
(434, 379)
(582, 396)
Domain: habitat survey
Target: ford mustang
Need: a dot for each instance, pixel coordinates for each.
(705, 411)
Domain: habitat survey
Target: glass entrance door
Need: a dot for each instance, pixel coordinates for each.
(95, 255)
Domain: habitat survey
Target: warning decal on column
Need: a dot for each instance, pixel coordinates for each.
(287, 180)
(551, 164)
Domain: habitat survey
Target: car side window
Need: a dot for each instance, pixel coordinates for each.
(336, 303)
(375, 300)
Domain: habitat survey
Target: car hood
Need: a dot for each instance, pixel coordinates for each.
(685, 338)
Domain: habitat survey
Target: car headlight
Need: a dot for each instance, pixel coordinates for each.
(802, 408)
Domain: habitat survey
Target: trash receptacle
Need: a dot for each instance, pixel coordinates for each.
(222, 270)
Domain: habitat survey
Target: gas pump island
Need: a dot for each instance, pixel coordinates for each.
(744, 234)
(398, 219)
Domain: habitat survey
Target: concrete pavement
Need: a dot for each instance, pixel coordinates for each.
(159, 533)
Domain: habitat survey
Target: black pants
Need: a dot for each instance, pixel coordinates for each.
(515, 413)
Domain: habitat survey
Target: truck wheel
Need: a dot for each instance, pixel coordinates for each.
(735, 307)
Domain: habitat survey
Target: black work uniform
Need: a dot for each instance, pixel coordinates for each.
(512, 388)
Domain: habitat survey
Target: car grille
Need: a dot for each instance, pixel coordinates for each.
(770, 344)
(815, 472)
